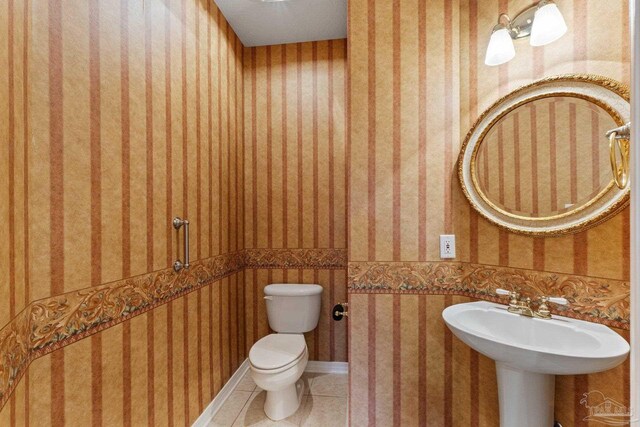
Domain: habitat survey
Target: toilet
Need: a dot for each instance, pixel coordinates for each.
(278, 360)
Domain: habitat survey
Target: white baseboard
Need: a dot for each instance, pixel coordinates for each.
(327, 367)
(210, 411)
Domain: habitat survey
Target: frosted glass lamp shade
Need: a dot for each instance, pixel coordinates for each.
(548, 25)
(500, 49)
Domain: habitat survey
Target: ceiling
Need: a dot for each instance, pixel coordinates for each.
(259, 23)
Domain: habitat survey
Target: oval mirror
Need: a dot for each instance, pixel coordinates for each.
(537, 161)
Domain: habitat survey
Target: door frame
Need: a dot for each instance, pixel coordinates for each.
(634, 16)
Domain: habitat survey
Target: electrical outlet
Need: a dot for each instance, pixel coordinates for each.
(447, 246)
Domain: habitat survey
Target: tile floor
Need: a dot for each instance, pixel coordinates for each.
(324, 404)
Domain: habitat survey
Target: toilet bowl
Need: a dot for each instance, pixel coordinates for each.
(276, 366)
(277, 361)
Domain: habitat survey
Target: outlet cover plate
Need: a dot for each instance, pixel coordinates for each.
(447, 246)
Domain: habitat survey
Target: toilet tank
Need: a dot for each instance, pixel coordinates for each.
(293, 308)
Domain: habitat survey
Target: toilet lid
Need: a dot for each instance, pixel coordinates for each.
(277, 350)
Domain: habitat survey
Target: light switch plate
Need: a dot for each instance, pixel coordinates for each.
(447, 246)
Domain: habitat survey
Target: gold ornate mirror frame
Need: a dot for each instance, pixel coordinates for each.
(608, 94)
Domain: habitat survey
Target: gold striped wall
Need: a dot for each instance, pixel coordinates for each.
(133, 127)
(295, 175)
(102, 185)
(179, 356)
(417, 83)
(404, 127)
(166, 62)
(598, 43)
(132, 114)
(407, 126)
(14, 155)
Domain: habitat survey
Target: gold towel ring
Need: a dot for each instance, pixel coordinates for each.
(620, 171)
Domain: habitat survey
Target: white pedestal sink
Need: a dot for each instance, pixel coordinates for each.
(529, 352)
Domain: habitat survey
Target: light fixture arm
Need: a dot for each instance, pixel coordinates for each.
(506, 18)
(520, 26)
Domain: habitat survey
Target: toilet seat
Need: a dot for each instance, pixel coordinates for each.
(277, 352)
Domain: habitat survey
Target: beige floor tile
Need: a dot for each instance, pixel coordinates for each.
(307, 378)
(321, 411)
(253, 415)
(231, 409)
(336, 385)
(246, 383)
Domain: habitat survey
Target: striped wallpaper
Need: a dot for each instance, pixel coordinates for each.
(294, 154)
(14, 158)
(171, 76)
(404, 136)
(295, 175)
(179, 357)
(417, 83)
(598, 43)
(170, 115)
(407, 126)
(118, 116)
(133, 127)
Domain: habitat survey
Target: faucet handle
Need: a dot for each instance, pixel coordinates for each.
(543, 309)
(514, 296)
(558, 300)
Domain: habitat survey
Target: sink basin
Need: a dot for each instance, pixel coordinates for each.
(559, 346)
(529, 352)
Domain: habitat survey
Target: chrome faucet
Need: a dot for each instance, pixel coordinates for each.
(522, 306)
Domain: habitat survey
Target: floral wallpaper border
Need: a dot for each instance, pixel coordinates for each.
(52, 323)
(324, 259)
(594, 299)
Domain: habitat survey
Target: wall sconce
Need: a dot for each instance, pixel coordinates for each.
(543, 22)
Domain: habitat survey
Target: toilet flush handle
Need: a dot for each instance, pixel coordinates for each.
(340, 310)
(268, 298)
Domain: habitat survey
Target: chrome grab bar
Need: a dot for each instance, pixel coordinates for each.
(177, 223)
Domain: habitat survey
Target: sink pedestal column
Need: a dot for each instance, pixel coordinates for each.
(526, 398)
